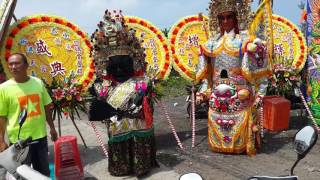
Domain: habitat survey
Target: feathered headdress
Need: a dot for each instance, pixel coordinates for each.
(242, 9)
(112, 38)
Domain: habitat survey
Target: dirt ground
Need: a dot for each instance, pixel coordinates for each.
(275, 158)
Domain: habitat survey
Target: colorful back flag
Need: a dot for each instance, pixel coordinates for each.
(261, 25)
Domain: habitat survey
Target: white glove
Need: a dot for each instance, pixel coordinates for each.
(137, 109)
(133, 106)
(114, 118)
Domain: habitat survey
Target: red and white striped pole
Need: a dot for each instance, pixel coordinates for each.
(193, 115)
(104, 149)
(261, 121)
(171, 125)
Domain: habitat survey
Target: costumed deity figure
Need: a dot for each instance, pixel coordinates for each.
(234, 67)
(123, 97)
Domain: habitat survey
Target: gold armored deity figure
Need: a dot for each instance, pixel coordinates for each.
(234, 67)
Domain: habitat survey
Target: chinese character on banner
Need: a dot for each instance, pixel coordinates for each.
(42, 48)
(156, 67)
(187, 47)
(79, 71)
(43, 68)
(57, 68)
(54, 31)
(194, 40)
(143, 34)
(79, 57)
(68, 47)
(190, 62)
(152, 43)
(77, 49)
(34, 74)
(76, 42)
(155, 59)
(32, 63)
(181, 42)
(181, 51)
(190, 56)
(72, 73)
(66, 35)
(30, 49)
(291, 53)
(79, 63)
(154, 51)
(57, 41)
(23, 41)
(278, 49)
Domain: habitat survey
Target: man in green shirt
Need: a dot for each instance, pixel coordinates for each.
(23, 91)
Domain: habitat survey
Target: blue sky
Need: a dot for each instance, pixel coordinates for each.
(162, 13)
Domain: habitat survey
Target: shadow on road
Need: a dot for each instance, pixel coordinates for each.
(274, 141)
(167, 141)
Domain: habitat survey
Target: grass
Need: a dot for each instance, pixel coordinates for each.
(174, 86)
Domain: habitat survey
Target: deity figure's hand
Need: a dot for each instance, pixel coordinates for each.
(134, 108)
(257, 51)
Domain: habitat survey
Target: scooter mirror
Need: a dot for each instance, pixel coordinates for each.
(22, 116)
(21, 119)
(305, 140)
(190, 176)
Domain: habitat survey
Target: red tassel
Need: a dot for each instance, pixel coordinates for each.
(147, 112)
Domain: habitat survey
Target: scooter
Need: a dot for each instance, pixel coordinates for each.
(12, 158)
(304, 140)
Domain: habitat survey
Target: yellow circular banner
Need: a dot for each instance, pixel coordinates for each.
(156, 46)
(55, 48)
(290, 48)
(185, 37)
(191, 31)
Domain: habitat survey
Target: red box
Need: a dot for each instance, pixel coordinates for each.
(276, 112)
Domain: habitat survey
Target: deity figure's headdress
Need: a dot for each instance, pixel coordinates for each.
(113, 37)
(242, 9)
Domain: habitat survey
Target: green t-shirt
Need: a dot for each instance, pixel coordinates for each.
(31, 95)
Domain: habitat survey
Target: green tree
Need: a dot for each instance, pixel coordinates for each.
(165, 31)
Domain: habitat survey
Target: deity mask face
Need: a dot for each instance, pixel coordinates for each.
(228, 21)
(120, 68)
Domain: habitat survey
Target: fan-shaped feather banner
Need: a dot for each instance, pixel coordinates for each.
(55, 48)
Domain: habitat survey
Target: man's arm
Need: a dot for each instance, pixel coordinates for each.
(47, 101)
(3, 123)
(53, 131)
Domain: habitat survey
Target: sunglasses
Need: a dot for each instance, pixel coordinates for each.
(227, 17)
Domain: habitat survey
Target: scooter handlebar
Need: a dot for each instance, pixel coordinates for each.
(273, 178)
(23, 143)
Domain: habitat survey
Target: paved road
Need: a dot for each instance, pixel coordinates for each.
(275, 158)
(93, 159)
